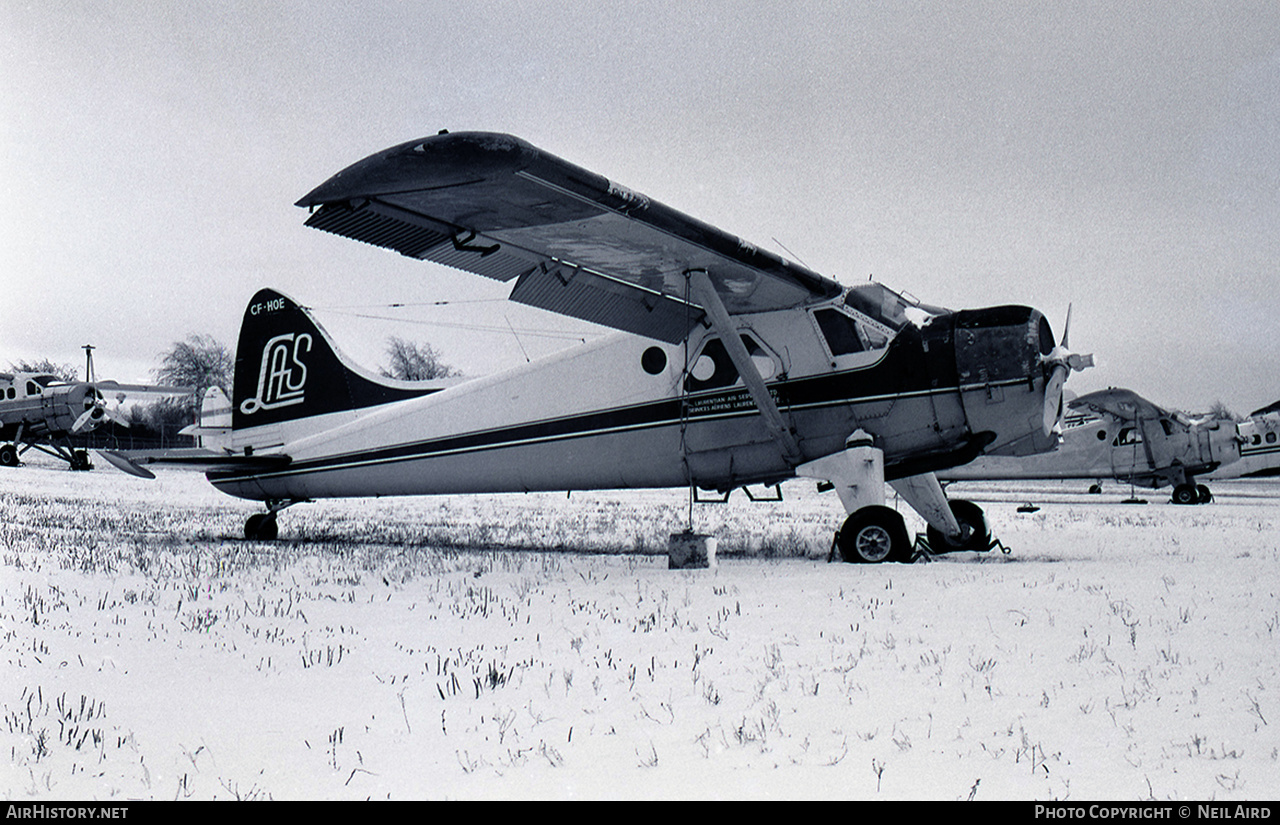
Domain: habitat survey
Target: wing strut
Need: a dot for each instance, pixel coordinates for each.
(706, 295)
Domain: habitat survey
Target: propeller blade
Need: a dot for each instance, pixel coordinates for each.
(88, 419)
(116, 417)
(1053, 398)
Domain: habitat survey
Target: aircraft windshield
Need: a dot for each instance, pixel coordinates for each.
(879, 303)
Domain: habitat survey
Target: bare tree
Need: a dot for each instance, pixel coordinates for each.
(415, 362)
(201, 361)
(63, 372)
(1219, 410)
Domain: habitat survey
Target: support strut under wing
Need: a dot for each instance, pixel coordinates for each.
(705, 294)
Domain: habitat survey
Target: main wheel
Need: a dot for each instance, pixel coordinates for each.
(1185, 494)
(1203, 496)
(261, 527)
(873, 534)
(8, 455)
(80, 460)
(974, 532)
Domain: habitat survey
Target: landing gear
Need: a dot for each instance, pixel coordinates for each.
(80, 460)
(1191, 494)
(974, 532)
(261, 527)
(8, 455)
(874, 534)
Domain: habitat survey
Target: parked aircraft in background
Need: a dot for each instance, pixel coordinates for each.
(1118, 434)
(212, 430)
(1259, 448)
(43, 412)
(734, 366)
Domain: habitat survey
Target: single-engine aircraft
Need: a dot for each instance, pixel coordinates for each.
(1259, 447)
(43, 411)
(733, 366)
(1118, 434)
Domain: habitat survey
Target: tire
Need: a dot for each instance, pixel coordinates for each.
(1185, 494)
(261, 527)
(80, 460)
(1203, 496)
(1095, 489)
(8, 455)
(871, 535)
(973, 523)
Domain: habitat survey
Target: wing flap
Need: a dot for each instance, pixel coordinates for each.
(585, 295)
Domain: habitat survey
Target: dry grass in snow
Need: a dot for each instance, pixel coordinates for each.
(537, 646)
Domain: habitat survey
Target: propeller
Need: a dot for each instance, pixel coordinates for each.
(95, 412)
(1060, 362)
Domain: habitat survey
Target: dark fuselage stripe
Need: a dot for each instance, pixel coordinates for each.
(650, 415)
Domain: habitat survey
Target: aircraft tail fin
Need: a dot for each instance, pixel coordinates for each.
(213, 430)
(291, 380)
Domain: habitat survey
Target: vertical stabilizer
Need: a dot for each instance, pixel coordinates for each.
(291, 379)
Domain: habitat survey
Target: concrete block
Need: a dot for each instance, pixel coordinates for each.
(686, 551)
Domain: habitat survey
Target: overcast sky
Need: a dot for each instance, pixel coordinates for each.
(1122, 157)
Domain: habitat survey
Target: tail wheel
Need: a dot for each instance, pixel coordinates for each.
(872, 535)
(974, 532)
(1185, 494)
(261, 527)
(8, 455)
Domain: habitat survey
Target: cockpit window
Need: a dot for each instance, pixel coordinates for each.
(840, 330)
(33, 388)
(878, 303)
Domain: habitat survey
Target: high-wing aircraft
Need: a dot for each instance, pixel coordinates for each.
(733, 366)
(1259, 447)
(43, 412)
(1118, 434)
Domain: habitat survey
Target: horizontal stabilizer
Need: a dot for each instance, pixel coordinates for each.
(133, 461)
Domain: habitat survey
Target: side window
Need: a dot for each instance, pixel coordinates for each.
(712, 368)
(840, 331)
(33, 388)
(1271, 438)
(1127, 436)
(1257, 439)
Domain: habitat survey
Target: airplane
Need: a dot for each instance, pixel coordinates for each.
(1116, 433)
(42, 411)
(1259, 447)
(730, 366)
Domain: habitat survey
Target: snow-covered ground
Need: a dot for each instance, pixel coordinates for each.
(532, 646)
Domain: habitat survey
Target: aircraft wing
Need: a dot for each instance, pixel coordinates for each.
(115, 387)
(133, 461)
(1261, 411)
(1126, 405)
(574, 242)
